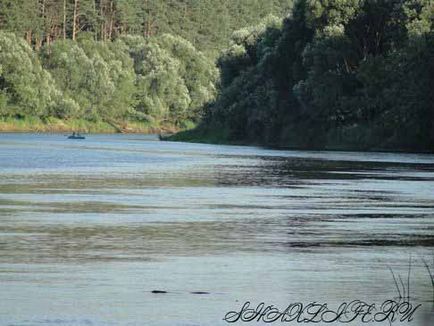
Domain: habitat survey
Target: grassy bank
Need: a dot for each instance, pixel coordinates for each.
(34, 124)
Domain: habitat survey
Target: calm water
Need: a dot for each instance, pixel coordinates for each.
(89, 228)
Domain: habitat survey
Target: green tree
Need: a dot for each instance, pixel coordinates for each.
(349, 73)
(25, 87)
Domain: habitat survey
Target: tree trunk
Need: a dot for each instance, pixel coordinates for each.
(95, 27)
(48, 37)
(29, 37)
(101, 13)
(74, 20)
(38, 43)
(111, 20)
(64, 19)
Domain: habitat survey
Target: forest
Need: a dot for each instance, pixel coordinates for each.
(115, 61)
(333, 74)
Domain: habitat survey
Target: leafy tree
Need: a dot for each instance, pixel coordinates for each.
(339, 73)
(174, 80)
(25, 87)
(196, 71)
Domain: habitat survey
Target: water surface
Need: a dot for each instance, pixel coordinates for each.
(88, 229)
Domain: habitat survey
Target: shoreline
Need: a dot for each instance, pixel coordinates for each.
(54, 125)
(167, 132)
(192, 136)
(305, 149)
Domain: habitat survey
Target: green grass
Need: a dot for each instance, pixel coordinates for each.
(35, 124)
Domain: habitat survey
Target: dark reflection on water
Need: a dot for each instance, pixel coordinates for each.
(281, 171)
(88, 229)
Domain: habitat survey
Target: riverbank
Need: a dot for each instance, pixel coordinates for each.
(221, 137)
(54, 125)
(199, 135)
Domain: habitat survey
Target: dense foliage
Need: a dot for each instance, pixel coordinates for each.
(335, 74)
(207, 24)
(114, 60)
(163, 78)
(332, 74)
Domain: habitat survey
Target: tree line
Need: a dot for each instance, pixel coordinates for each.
(333, 74)
(141, 60)
(161, 79)
(207, 24)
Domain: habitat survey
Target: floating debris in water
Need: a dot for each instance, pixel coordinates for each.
(192, 292)
(199, 292)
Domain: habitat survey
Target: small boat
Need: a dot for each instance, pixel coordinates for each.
(76, 136)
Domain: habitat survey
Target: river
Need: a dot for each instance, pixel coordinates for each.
(89, 228)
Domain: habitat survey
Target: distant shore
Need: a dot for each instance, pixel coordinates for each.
(220, 137)
(54, 125)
